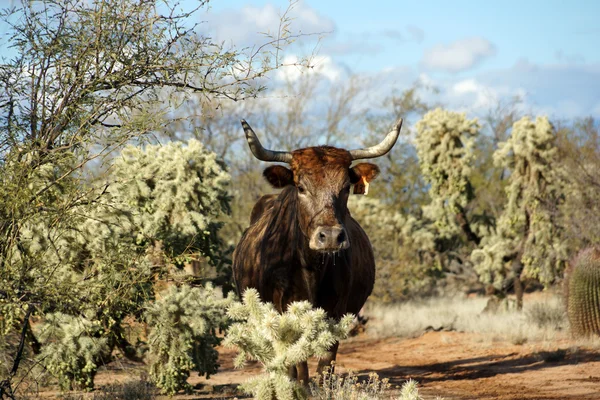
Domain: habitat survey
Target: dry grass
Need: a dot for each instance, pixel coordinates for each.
(350, 387)
(541, 319)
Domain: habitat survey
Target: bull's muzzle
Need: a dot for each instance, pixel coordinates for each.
(329, 238)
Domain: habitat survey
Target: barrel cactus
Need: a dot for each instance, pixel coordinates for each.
(582, 289)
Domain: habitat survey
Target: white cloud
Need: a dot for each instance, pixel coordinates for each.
(250, 25)
(459, 55)
(322, 65)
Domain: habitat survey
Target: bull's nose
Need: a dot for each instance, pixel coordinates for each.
(329, 238)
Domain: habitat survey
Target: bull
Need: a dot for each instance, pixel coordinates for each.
(303, 244)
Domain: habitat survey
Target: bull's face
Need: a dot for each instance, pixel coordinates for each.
(322, 178)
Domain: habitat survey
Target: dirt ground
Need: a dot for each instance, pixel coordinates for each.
(452, 365)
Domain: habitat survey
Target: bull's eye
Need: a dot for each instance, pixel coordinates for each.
(301, 189)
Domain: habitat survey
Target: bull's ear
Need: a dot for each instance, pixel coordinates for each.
(279, 176)
(360, 176)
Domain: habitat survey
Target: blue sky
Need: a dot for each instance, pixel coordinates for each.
(475, 53)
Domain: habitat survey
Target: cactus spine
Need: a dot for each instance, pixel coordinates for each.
(582, 286)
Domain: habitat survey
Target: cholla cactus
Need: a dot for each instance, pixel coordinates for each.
(184, 325)
(444, 142)
(405, 247)
(176, 194)
(72, 350)
(527, 227)
(279, 341)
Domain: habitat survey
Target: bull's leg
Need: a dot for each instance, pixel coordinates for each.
(293, 372)
(325, 363)
(302, 369)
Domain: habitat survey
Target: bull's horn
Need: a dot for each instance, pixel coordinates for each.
(259, 151)
(379, 149)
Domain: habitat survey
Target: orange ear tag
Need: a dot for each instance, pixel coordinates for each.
(362, 186)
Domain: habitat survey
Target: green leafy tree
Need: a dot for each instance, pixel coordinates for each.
(109, 260)
(528, 239)
(183, 335)
(280, 341)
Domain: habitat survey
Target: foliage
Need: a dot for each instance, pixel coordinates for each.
(444, 143)
(528, 229)
(547, 315)
(582, 292)
(183, 336)
(73, 349)
(404, 246)
(331, 386)
(86, 79)
(279, 341)
(579, 150)
(131, 390)
(175, 195)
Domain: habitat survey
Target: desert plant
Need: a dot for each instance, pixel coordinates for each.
(547, 314)
(183, 335)
(280, 341)
(72, 350)
(582, 287)
(331, 386)
(81, 80)
(527, 241)
(140, 389)
(444, 143)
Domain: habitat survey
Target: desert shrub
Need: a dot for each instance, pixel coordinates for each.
(183, 336)
(72, 350)
(551, 314)
(337, 387)
(133, 390)
(279, 341)
(582, 286)
(463, 315)
(330, 386)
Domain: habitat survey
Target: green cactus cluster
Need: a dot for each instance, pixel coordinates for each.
(279, 341)
(582, 287)
(183, 335)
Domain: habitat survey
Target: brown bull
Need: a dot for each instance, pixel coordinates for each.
(303, 244)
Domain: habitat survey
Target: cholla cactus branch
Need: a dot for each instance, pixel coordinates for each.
(183, 327)
(527, 231)
(279, 341)
(444, 144)
(73, 350)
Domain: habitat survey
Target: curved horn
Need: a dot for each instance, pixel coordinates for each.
(379, 149)
(259, 151)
